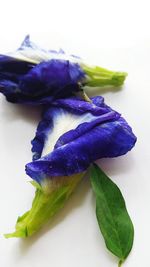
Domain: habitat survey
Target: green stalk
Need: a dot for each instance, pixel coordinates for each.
(97, 76)
(48, 200)
(120, 263)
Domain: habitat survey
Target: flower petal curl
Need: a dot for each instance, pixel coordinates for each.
(90, 137)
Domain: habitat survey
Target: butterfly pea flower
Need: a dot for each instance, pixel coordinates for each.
(71, 135)
(33, 75)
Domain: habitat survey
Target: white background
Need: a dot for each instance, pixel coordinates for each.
(113, 34)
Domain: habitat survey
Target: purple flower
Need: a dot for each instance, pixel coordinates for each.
(24, 82)
(33, 75)
(73, 134)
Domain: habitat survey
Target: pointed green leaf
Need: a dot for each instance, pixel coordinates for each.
(113, 218)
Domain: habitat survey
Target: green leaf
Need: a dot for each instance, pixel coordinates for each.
(113, 218)
(48, 200)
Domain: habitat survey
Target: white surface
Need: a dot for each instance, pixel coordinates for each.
(114, 34)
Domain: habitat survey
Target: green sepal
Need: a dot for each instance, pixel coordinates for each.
(48, 200)
(100, 77)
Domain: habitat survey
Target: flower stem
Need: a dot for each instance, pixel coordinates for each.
(45, 204)
(120, 263)
(85, 97)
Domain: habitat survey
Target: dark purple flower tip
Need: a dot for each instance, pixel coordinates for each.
(24, 82)
(33, 75)
(51, 78)
(73, 134)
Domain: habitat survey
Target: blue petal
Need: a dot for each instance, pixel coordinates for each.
(71, 105)
(78, 106)
(101, 135)
(31, 52)
(43, 130)
(24, 82)
(51, 77)
(27, 44)
(33, 75)
(11, 71)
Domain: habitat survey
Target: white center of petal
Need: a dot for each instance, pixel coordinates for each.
(64, 122)
(36, 56)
